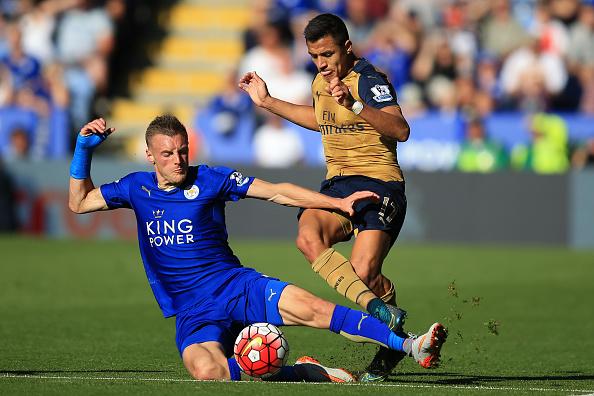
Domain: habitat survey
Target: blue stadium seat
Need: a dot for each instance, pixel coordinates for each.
(59, 141)
(234, 147)
(579, 126)
(15, 117)
(508, 129)
(52, 140)
(512, 128)
(436, 126)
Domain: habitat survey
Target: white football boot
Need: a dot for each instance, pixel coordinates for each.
(311, 370)
(426, 347)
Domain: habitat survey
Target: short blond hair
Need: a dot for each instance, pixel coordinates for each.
(166, 124)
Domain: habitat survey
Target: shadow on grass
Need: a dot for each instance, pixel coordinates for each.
(464, 379)
(112, 371)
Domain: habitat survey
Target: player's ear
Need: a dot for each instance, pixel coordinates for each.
(348, 46)
(149, 156)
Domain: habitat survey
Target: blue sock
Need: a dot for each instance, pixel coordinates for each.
(361, 327)
(286, 374)
(234, 369)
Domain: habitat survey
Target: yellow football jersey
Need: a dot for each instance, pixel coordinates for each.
(351, 145)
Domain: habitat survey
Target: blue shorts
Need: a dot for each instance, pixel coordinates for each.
(386, 215)
(250, 300)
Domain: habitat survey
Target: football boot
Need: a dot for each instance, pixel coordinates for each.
(310, 370)
(426, 348)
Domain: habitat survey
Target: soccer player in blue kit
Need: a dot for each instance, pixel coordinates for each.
(194, 274)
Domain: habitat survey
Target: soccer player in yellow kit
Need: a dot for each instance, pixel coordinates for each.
(356, 111)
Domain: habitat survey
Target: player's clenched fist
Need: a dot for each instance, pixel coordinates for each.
(97, 126)
(340, 92)
(91, 135)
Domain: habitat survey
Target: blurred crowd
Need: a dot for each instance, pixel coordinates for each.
(468, 60)
(458, 58)
(54, 62)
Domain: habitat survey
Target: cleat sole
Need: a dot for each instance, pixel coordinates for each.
(438, 335)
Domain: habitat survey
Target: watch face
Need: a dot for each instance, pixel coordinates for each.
(357, 107)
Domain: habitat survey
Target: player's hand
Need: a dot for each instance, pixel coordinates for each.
(340, 92)
(255, 87)
(92, 134)
(347, 205)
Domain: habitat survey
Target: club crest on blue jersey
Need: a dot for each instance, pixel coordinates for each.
(240, 180)
(192, 192)
(382, 93)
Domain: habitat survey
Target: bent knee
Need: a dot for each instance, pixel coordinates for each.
(310, 244)
(203, 364)
(204, 370)
(368, 271)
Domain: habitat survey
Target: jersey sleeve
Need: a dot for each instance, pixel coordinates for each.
(117, 193)
(234, 185)
(376, 91)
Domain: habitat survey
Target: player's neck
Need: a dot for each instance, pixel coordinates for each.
(352, 62)
(164, 185)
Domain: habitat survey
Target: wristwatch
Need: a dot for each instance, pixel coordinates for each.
(357, 107)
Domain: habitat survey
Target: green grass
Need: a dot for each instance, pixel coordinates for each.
(79, 318)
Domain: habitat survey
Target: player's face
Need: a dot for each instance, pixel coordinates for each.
(331, 59)
(169, 154)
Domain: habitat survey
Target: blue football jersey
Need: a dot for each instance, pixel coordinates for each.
(182, 232)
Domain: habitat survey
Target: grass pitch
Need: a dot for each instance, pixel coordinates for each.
(77, 317)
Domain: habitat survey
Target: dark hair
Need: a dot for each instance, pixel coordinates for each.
(165, 124)
(326, 25)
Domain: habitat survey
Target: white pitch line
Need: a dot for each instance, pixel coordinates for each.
(384, 385)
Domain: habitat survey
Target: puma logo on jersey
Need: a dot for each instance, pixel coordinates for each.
(146, 190)
(363, 316)
(272, 293)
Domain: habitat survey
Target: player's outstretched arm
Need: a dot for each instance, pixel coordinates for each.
(301, 115)
(388, 121)
(288, 194)
(83, 197)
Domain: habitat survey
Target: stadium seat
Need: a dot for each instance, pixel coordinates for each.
(434, 142)
(512, 128)
(59, 141)
(47, 142)
(15, 117)
(579, 126)
(234, 147)
(509, 129)
(436, 126)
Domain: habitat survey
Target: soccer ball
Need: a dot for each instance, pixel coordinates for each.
(261, 350)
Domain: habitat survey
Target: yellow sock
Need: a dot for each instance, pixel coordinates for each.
(338, 272)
